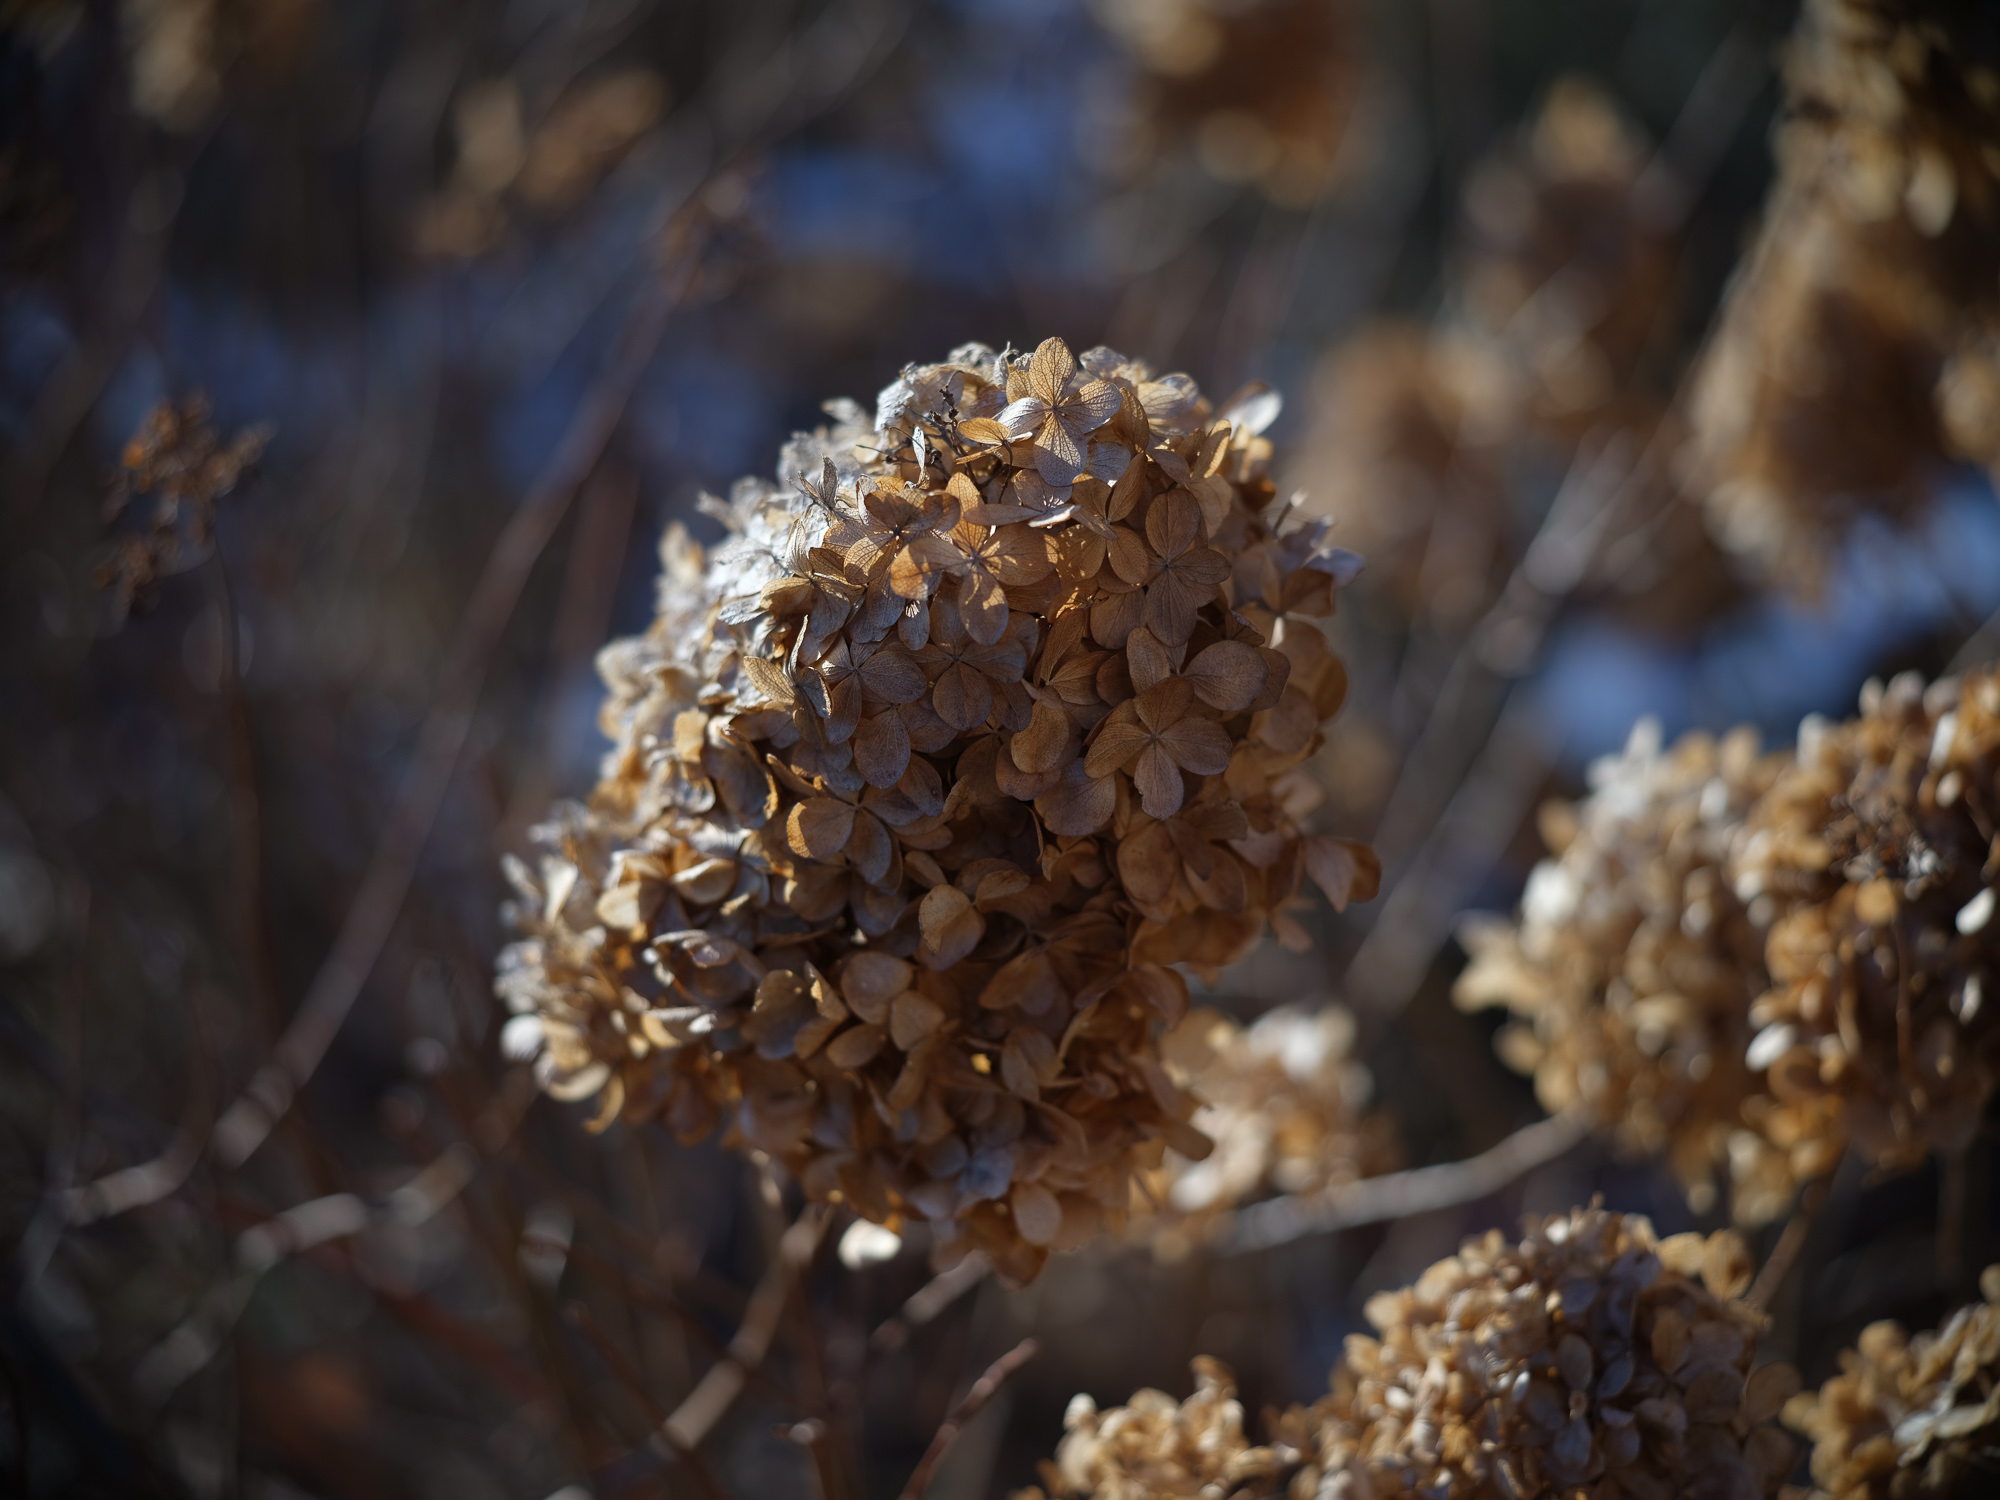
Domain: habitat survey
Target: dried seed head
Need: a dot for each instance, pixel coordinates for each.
(1815, 401)
(1873, 855)
(990, 712)
(1632, 964)
(1578, 1360)
(1910, 1418)
(1286, 1106)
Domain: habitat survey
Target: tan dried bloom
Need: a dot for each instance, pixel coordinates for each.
(1285, 1102)
(1910, 1418)
(1156, 1448)
(991, 712)
(1815, 400)
(1561, 298)
(1968, 397)
(1262, 91)
(180, 468)
(1632, 964)
(1589, 1358)
(1568, 265)
(1872, 861)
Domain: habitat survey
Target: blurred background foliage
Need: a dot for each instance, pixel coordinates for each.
(450, 263)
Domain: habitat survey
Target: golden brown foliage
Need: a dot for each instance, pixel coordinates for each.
(1815, 400)
(991, 714)
(1589, 1357)
(1910, 1418)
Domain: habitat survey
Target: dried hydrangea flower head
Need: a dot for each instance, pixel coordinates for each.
(1631, 964)
(1589, 1358)
(1815, 401)
(1872, 858)
(1561, 292)
(1910, 1418)
(992, 710)
(1157, 1448)
(1567, 263)
(1286, 1104)
(1262, 91)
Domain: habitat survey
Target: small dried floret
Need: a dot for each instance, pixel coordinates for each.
(1632, 964)
(1285, 1103)
(1910, 1418)
(177, 464)
(1815, 400)
(1589, 1358)
(1871, 859)
(989, 713)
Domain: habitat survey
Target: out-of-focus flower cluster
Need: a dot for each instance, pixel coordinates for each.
(1286, 1104)
(1910, 1418)
(1819, 396)
(1589, 1357)
(1261, 91)
(1633, 965)
(178, 466)
(503, 165)
(1563, 299)
(991, 710)
(1770, 959)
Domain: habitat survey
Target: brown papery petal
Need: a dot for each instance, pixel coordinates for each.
(1158, 781)
(912, 1017)
(856, 1047)
(1345, 870)
(818, 828)
(962, 697)
(982, 603)
(1119, 739)
(1037, 1213)
(1130, 559)
(1080, 804)
(1150, 662)
(869, 848)
(1163, 704)
(1197, 745)
(1050, 368)
(951, 927)
(1040, 746)
(1113, 617)
(893, 675)
(882, 749)
(1228, 675)
(1174, 524)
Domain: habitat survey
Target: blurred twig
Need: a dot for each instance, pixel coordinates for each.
(932, 1298)
(984, 1389)
(1401, 1195)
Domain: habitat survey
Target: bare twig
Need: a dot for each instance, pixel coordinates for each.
(932, 1298)
(1402, 1195)
(628, 1376)
(246, 1123)
(1791, 1240)
(706, 1404)
(984, 1389)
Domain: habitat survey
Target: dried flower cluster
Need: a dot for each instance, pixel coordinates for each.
(1589, 1358)
(502, 165)
(990, 712)
(1816, 399)
(1910, 1418)
(1873, 860)
(181, 469)
(1633, 965)
(1262, 91)
(1285, 1103)
(1564, 288)
(1771, 959)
